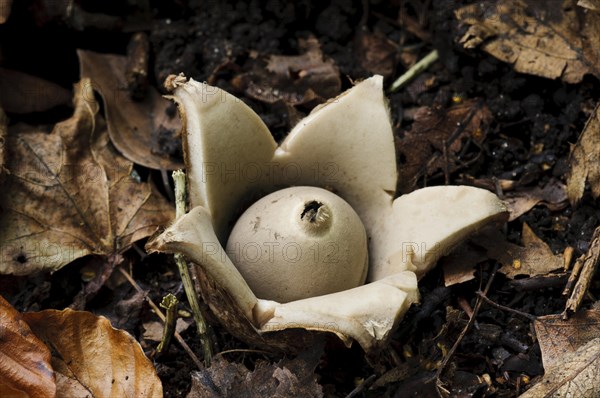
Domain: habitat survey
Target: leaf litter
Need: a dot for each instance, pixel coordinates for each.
(97, 204)
(553, 39)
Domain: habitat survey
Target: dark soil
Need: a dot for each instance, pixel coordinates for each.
(215, 42)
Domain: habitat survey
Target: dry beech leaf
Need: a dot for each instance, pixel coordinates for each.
(23, 93)
(139, 130)
(585, 160)
(552, 39)
(89, 353)
(25, 369)
(535, 258)
(69, 194)
(296, 79)
(571, 356)
(289, 378)
(553, 195)
(435, 139)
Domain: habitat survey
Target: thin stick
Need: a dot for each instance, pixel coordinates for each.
(162, 317)
(504, 308)
(415, 70)
(188, 284)
(466, 329)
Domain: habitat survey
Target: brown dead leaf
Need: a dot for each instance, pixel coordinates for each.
(435, 140)
(587, 264)
(140, 130)
(5, 7)
(296, 79)
(585, 160)
(69, 194)
(593, 5)
(553, 195)
(534, 258)
(552, 39)
(459, 266)
(23, 93)
(377, 54)
(571, 356)
(289, 378)
(89, 353)
(25, 369)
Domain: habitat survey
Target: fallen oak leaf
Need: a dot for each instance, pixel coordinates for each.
(557, 41)
(69, 194)
(25, 369)
(90, 355)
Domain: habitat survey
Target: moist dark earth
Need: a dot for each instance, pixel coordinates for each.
(534, 121)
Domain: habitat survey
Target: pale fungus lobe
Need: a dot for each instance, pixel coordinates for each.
(326, 246)
(299, 242)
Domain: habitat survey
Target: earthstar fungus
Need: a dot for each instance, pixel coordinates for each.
(345, 146)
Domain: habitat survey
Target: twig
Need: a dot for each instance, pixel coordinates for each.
(188, 285)
(504, 308)
(464, 331)
(162, 317)
(170, 304)
(415, 70)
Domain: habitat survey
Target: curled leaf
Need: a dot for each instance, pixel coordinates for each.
(90, 355)
(25, 369)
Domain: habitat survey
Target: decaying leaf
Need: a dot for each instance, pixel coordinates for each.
(25, 369)
(90, 355)
(587, 264)
(534, 258)
(585, 160)
(553, 195)
(593, 5)
(5, 7)
(378, 55)
(143, 131)
(289, 378)
(435, 140)
(552, 39)
(23, 93)
(297, 79)
(69, 194)
(459, 266)
(571, 356)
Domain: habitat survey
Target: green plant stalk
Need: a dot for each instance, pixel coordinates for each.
(188, 286)
(170, 304)
(415, 70)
